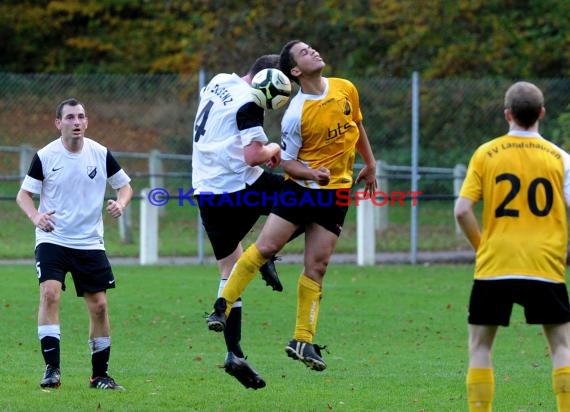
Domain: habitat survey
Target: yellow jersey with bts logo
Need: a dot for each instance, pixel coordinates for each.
(321, 131)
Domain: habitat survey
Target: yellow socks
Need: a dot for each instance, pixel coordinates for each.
(481, 386)
(242, 273)
(561, 384)
(308, 303)
(480, 389)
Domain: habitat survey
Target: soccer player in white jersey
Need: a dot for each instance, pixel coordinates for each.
(521, 247)
(231, 189)
(321, 132)
(70, 175)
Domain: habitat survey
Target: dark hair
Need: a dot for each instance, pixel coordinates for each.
(67, 102)
(525, 101)
(267, 61)
(286, 61)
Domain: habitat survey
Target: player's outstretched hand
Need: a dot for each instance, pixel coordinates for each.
(322, 176)
(45, 221)
(114, 208)
(274, 161)
(368, 174)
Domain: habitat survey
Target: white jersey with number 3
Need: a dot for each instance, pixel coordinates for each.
(227, 120)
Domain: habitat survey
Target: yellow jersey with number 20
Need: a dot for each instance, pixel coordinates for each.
(524, 182)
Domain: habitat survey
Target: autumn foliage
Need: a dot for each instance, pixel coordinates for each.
(388, 38)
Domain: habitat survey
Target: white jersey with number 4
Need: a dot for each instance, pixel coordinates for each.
(227, 120)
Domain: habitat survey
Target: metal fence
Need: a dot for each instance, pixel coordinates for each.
(157, 176)
(137, 115)
(144, 112)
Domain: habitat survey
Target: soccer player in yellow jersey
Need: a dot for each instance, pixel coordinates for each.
(321, 131)
(524, 183)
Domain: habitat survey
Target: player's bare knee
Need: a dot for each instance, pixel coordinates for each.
(49, 297)
(99, 311)
(268, 248)
(97, 307)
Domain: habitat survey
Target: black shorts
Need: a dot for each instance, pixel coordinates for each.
(301, 205)
(492, 301)
(229, 217)
(90, 269)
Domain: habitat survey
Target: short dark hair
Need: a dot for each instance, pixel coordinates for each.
(267, 61)
(72, 101)
(525, 101)
(286, 61)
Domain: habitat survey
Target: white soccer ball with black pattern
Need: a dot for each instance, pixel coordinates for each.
(271, 89)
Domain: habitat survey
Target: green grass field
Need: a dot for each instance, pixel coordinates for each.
(396, 337)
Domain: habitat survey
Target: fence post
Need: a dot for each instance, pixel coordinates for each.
(381, 213)
(155, 169)
(156, 172)
(365, 234)
(25, 159)
(126, 226)
(458, 176)
(148, 231)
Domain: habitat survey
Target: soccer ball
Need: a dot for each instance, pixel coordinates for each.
(271, 89)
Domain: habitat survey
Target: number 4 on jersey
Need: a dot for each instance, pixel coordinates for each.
(200, 122)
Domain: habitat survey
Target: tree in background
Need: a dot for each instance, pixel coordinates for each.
(388, 38)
